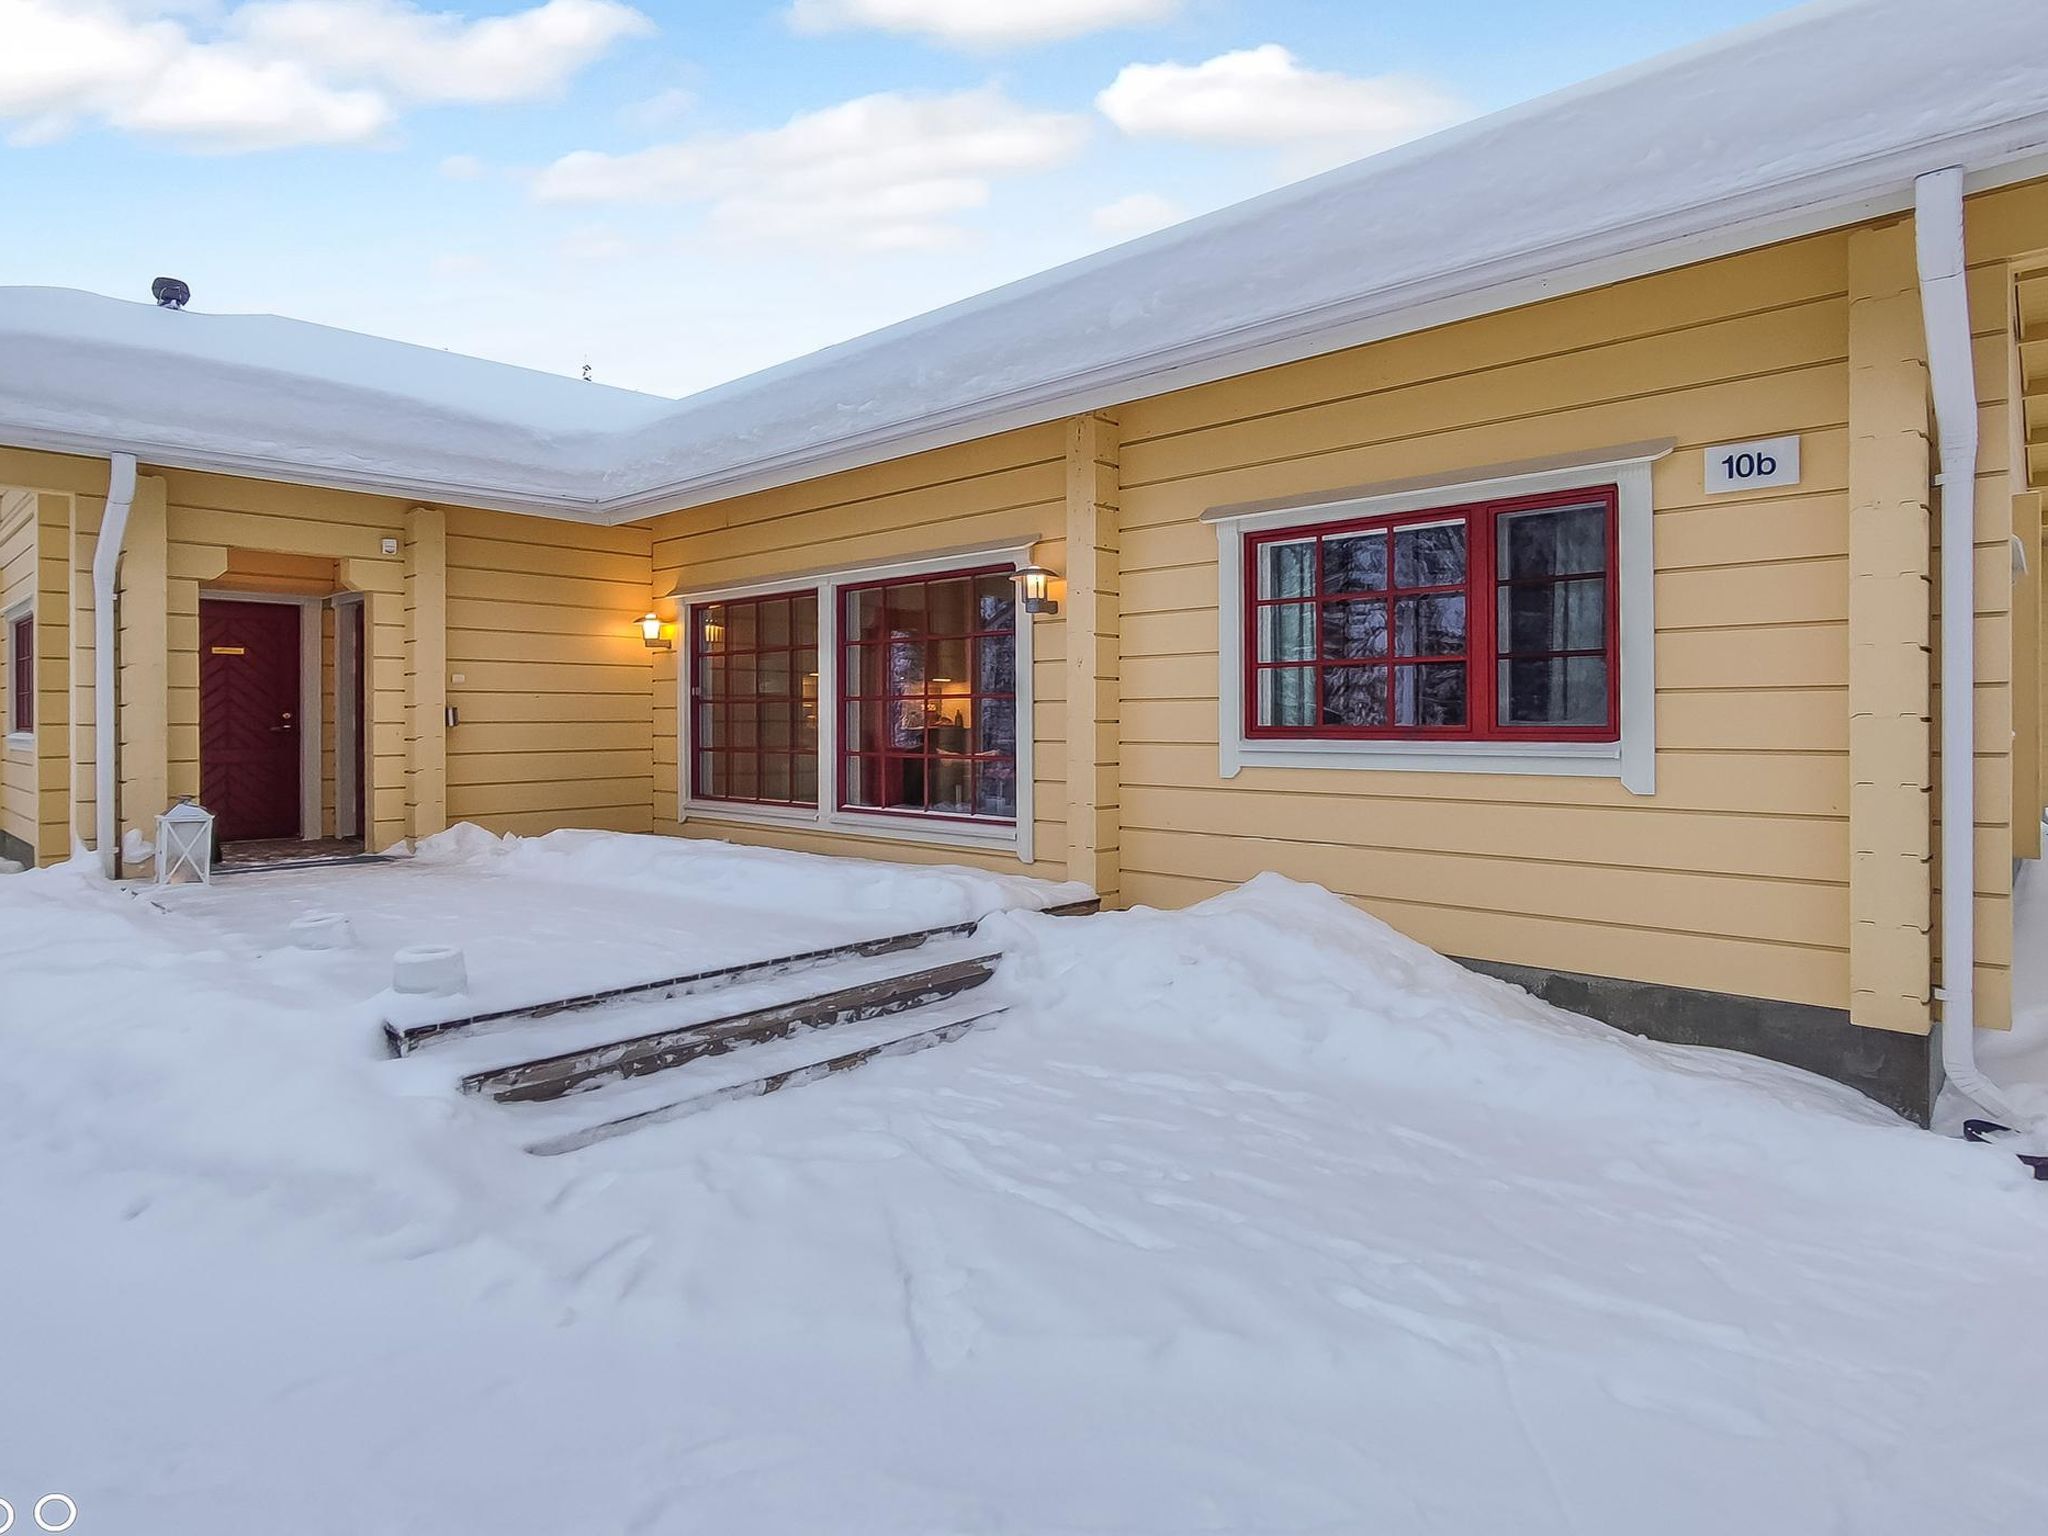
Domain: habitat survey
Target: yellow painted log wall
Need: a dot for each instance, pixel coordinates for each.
(557, 715)
(992, 492)
(1734, 876)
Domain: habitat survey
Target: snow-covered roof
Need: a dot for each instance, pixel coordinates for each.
(1807, 121)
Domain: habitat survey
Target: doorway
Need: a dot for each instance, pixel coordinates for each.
(251, 719)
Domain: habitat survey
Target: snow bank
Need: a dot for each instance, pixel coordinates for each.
(1251, 1218)
(1306, 982)
(766, 880)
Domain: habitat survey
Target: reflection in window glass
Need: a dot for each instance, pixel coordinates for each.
(1491, 621)
(753, 671)
(929, 683)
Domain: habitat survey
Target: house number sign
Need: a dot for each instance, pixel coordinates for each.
(1753, 466)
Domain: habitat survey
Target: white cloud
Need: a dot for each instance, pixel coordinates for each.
(439, 57)
(280, 72)
(661, 110)
(1138, 214)
(1265, 96)
(979, 23)
(462, 168)
(880, 172)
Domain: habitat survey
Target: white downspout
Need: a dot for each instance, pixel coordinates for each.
(1951, 377)
(106, 564)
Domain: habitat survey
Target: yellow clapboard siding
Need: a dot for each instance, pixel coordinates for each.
(515, 707)
(626, 599)
(622, 647)
(1008, 489)
(481, 554)
(506, 528)
(529, 765)
(616, 818)
(1776, 277)
(553, 677)
(1780, 910)
(1781, 847)
(844, 551)
(1782, 343)
(546, 795)
(1711, 963)
(546, 728)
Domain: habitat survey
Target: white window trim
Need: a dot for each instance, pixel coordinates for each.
(20, 743)
(1014, 839)
(1632, 759)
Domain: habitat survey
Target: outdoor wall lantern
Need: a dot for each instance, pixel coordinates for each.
(184, 844)
(659, 636)
(1035, 583)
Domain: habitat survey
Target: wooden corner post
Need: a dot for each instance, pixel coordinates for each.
(426, 671)
(1890, 638)
(1094, 652)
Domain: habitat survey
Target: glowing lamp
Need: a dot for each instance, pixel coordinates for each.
(1035, 583)
(659, 636)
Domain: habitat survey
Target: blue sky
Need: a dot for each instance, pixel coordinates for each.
(680, 193)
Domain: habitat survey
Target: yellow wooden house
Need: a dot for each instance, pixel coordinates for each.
(1568, 536)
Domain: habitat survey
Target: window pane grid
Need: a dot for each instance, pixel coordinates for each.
(1493, 621)
(754, 687)
(928, 696)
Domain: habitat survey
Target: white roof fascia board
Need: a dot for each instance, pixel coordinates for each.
(154, 455)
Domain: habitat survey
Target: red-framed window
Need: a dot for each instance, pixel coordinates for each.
(928, 696)
(754, 700)
(21, 673)
(1488, 621)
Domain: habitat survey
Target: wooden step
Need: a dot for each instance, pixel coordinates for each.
(403, 1039)
(550, 1077)
(760, 1070)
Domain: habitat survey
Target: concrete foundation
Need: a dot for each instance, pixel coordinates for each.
(1900, 1071)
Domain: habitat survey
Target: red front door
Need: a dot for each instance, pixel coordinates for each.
(249, 718)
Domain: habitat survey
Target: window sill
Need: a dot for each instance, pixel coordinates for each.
(19, 743)
(1006, 837)
(1598, 759)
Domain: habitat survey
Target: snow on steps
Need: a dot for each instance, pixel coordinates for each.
(581, 1120)
(577, 1080)
(404, 1037)
(572, 1071)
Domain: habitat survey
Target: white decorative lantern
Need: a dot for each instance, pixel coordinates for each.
(184, 844)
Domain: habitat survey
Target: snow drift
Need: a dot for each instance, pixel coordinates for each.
(1254, 1217)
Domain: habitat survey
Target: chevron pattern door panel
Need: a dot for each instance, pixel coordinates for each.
(249, 718)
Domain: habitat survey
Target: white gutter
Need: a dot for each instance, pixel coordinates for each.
(1945, 312)
(106, 564)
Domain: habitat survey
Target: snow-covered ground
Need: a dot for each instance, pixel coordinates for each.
(550, 917)
(1251, 1218)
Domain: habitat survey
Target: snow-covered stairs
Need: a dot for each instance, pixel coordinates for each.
(575, 1071)
(869, 997)
(567, 1124)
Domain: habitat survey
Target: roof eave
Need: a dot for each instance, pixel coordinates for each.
(1842, 195)
(1721, 227)
(161, 455)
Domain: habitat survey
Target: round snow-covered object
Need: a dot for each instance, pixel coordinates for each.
(322, 930)
(429, 970)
